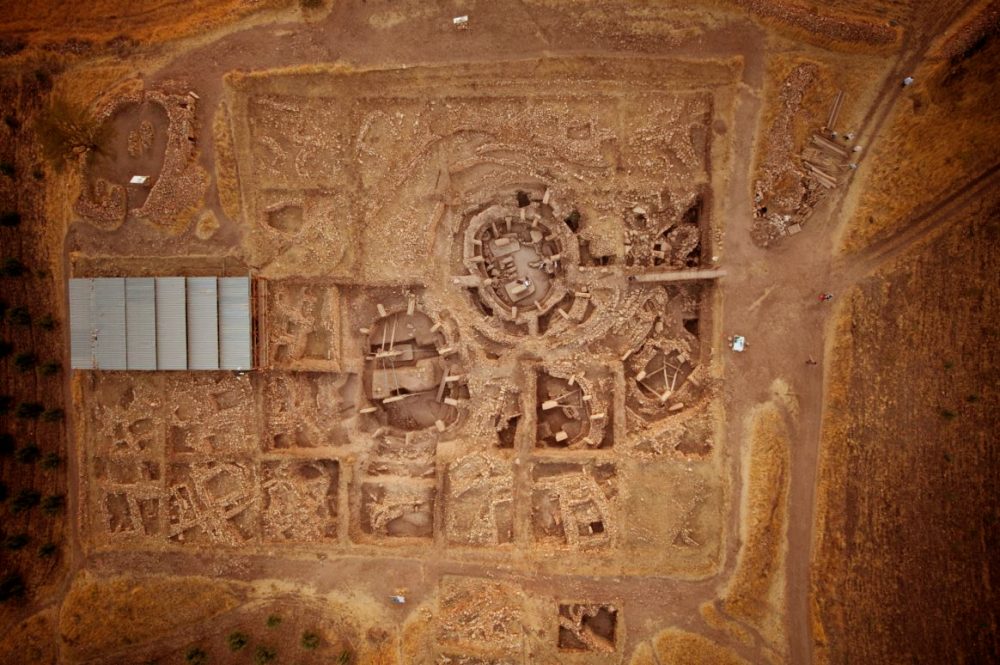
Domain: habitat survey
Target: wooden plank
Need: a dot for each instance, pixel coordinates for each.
(831, 120)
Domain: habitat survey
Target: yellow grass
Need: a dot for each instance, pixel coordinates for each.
(905, 468)
(755, 592)
(226, 178)
(100, 615)
(31, 642)
(942, 133)
(678, 647)
(716, 619)
(147, 21)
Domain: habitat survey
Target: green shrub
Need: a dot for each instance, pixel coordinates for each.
(13, 267)
(53, 415)
(50, 367)
(21, 316)
(310, 640)
(47, 550)
(16, 542)
(264, 655)
(11, 586)
(25, 361)
(7, 169)
(6, 404)
(12, 121)
(196, 656)
(27, 455)
(273, 621)
(51, 461)
(7, 444)
(237, 641)
(344, 658)
(10, 219)
(6, 348)
(46, 322)
(311, 4)
(53, 504)
(29, 410)
(25, 500)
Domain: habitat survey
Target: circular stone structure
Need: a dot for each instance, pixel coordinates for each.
(518, 256)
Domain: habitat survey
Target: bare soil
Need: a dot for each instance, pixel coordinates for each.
(488, 426)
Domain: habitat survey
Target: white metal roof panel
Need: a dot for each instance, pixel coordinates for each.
(81, 321)
(171, 323)
(109, 319)
(203, 322)
(234, 323)
(140, 322)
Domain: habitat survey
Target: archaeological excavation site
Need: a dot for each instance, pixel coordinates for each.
(513, 333)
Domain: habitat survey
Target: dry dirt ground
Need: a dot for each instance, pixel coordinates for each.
(496, 420)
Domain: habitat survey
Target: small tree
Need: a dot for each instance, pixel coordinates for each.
(25, 361)
(16, 542)
(27, 455)
(237, 641)
(51, 461)
(25, 500)
(7, 444)
(264, 655)
(47, 550)
(196, 656)
(50, 367)
(46, 322)
(310, 640)
(68, 130)
(53, 504)
(21, 316)
(273, 621)
(11, 586)
(7, 169)
(13, 268)
(29, 410)
(53, 415)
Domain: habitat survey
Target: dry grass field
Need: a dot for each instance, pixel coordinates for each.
(906, 520)
(944, 130)
(81, 26)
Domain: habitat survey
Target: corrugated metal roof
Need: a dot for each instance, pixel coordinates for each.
(203, 322)
(166, 323)
(171, 323)
(140, 322)
(234, 323)
(109, 320)
(81, 331)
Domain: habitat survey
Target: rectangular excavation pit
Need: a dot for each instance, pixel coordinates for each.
(574, 408)
(303, 326)
(299, 500)
(397, 508)
(574, 504)
(305, 409)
